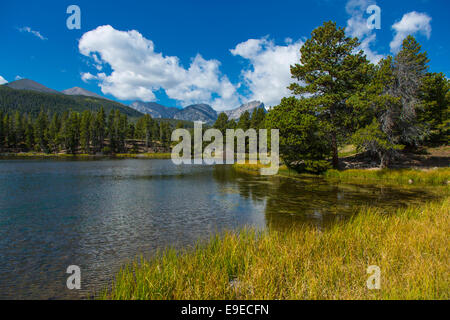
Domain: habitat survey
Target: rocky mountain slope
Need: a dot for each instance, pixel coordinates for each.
(27, 84)
(197, 112)
(250, 107)
(77, 91)
(156, 110)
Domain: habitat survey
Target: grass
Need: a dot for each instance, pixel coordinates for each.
(348, 150)
(440, 176)
(144, 155)
(26, 155)
(411, 246)
(435, 177)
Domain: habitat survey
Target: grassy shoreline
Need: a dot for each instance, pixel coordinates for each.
(435, 177)
(410, 246)
(438, 176)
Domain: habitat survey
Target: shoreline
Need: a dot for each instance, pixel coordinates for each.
(409, 176)
(61, 156)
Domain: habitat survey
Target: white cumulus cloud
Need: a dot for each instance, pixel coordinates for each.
(269, 74)
(357, 27)
(410, 24)
(33, 32)
(138, 71)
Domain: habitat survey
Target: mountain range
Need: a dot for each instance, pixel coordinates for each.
(196, 112)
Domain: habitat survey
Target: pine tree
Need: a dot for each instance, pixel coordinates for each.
(40, 132)
(72, 132)
(85, 131)
(331, 72)
(6, 130)
(258, 116)
(303, 142)
(29, 134)
(122, 131)
(147, 129)
(244, 121)
(18, 129)
(53, 134)
(100, 128)
(221, 123)
(2, 131)
(409, 68)
(391, 102)
(111, 131)
(435, 107)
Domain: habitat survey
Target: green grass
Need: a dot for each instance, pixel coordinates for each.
(411, 246)
(144, 155)
(435, 177)
(440, 176)
(348, 150)
(26, 155)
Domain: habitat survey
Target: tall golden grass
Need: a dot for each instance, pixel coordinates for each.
(439, 176)
(411, 246)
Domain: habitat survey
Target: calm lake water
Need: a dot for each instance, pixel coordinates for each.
(101, 214)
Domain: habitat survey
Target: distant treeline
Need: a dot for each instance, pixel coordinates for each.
(87, 132)
(92, 132)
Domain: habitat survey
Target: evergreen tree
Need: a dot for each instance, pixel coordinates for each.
(409, 68)
(148, 129)
(2, 131)
(85, 131)
(303, 142)
(19, 130)
(40, 132)
(131, 131)
(435, 107)
(390, 103)
(221, 123)
(29, 134)
(331, 72)
(122, 131)
(53, 134)
(100, 129)
(244, 121)
(258, 116)
(111, 130)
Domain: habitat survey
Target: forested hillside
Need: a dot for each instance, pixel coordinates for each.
(32, 102)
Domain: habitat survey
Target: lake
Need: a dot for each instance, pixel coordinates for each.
(101, 214)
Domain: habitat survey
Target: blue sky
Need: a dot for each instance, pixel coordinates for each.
(219, 52)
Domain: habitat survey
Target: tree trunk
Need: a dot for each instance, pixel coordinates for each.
(384, 161)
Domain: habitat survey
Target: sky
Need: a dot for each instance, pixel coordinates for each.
(177, 53)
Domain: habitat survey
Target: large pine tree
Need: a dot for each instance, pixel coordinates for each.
(329, 73)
